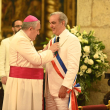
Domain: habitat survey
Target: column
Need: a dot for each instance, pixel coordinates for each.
(51, 6)
(0, 18)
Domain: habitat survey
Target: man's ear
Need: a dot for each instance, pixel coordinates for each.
(12, 29)
(63, 22)
(30, 28)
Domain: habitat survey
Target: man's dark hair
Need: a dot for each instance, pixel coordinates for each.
(13, 23)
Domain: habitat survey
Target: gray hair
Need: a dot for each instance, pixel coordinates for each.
(27, 25)
(62, 17)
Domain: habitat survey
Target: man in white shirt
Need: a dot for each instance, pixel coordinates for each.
(61, 72)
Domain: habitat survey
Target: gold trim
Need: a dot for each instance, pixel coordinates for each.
(42, 16)
(73, 13)
(65, 7)
(0, 17)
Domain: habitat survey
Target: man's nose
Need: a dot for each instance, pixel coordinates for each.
(20, 26)
(51, 25)
(38, 33)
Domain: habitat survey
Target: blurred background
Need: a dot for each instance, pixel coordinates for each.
(89, 14)
(19, 9)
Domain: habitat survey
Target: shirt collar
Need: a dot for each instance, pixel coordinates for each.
(10, 38)
(25, 35)
(63, 34)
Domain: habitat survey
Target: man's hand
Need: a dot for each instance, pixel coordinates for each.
(4, 80)
(62, 92)
(54, 47)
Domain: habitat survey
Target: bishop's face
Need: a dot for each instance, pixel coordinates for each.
(55, 25)
(35, 32)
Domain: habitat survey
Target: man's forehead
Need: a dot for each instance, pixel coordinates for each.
(53, 18)
(18, 22)
(38, 25)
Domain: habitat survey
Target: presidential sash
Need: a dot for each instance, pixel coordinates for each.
(72, 104)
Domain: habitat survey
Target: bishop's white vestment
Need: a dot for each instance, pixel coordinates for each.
(24, 90)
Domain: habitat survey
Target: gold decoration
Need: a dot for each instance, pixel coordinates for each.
(51, 6)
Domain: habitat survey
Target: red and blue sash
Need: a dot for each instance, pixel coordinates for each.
(72, 104)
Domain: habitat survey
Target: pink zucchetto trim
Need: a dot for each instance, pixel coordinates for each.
(30, 18)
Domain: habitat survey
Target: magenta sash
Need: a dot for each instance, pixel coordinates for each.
(26, 73)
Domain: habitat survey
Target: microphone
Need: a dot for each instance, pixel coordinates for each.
(57, 39)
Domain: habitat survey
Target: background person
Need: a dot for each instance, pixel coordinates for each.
(4, 53)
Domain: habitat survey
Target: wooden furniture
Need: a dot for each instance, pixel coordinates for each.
(95, 107)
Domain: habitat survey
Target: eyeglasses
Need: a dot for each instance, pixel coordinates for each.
(18, 26)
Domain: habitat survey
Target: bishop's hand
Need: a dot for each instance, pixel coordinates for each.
(54, 47)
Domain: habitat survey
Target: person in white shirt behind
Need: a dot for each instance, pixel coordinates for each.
(4, 52)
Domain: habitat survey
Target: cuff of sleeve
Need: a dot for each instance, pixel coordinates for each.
(2, 76)
(39, 51)
(67, 85)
